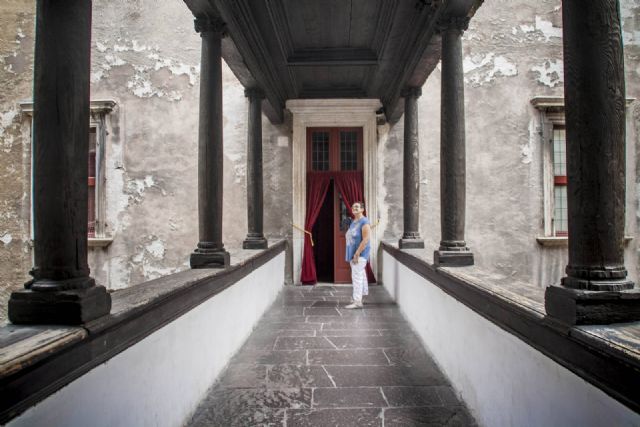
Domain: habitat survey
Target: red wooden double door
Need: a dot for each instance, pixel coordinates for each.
(333, 150)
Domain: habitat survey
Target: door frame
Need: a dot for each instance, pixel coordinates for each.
(332, 113)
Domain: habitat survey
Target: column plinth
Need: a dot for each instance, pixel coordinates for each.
(411, 172)
(210, 252)
(453, 250)
(255, 238)
(596, 288)
(62, 291)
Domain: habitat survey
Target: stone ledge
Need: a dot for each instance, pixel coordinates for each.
(607, 356)
(37, 361)
(99, 242)
(554, 241)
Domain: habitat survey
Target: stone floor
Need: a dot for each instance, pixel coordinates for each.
(311, 362)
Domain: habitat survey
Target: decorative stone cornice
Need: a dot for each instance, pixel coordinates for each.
(210, 25)
(414, 92)
(460, 23)
(254, 92)
(97, 106)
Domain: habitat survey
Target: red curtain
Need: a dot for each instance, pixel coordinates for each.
(317, 185)
(350, 185)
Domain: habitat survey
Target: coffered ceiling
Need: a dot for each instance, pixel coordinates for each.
(297, 49)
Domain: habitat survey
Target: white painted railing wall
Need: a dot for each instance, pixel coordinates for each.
(160, 380)
(503, 380)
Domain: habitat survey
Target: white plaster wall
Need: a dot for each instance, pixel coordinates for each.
(504, 381)
(160, 380)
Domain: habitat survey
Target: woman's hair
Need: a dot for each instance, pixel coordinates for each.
(358, 202)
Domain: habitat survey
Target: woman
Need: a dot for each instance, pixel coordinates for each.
(357, 253)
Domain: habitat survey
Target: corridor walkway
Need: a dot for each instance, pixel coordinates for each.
(311, 362)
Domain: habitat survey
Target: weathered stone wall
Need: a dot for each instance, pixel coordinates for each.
(152, 71)
(16, 74)
(145, 58)
(512, 52)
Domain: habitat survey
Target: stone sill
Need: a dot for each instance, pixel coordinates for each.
(548, 102)
(99, 242)
(607, 356)
(36, 361)
(553, 241)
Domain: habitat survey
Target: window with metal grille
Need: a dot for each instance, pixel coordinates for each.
(320, 151)
(348, 150)
(92, 183)
(560, 223)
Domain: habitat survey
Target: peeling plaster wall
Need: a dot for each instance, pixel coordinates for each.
(512, 52)
(151, 68)
(16, 59)
(146, 57)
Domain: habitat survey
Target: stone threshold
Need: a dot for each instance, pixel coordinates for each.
(607, 356)
(36, 361)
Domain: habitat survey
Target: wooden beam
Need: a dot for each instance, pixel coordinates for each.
(333, 57)
(332, 92)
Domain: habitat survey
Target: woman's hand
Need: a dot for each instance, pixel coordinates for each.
(354, 260)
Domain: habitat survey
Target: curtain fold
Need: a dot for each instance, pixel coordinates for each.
(317, 186)
(351, 187)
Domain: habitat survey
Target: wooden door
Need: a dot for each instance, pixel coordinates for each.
(333, 150)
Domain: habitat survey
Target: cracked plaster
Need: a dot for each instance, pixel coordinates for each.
(152, 72)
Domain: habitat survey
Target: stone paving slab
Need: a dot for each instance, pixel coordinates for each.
(311, 362)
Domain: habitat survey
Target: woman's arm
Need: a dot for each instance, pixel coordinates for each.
(366, 231)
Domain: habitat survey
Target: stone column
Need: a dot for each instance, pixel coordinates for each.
(61, 292)
(210, 252)
(255, 237)
(453, 249)
(411, 172)
(594, 289)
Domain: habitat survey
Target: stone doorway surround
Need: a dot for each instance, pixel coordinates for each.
(332, 113)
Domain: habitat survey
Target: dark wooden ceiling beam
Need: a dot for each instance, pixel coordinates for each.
(401, 48)
(332, 92)
(333, 57)
(410, 52)
(421, 56)
(235, 59)
(282, 33)
(250, 44)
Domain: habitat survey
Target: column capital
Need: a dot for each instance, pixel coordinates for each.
(412, 92)
(459, 23)
(254, 92)
(210, 25)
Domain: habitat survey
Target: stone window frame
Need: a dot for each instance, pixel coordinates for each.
(99, 112)
(552, 114)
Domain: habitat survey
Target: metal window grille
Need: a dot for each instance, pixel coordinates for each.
(92, 183)
(560, 216)
(320, 151)
(348, 150)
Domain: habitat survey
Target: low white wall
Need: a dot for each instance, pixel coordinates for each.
(503, 380)
(160, 380)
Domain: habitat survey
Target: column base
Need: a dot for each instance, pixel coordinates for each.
(443, 258)
(203, 258)
(598, 283)
(70, 307)
(584, 307)
(413, 243)
(255, 243)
